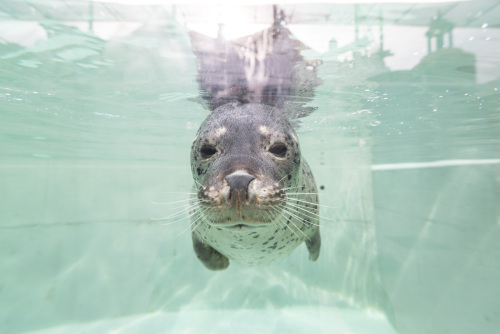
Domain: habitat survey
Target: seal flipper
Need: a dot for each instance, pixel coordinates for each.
(210, 257)
(314, 245)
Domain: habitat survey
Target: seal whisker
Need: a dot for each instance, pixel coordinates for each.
(305, 209)
(306, 204)
(208, 227)
(277, 220)
(175, 214)
(312, 203)
(281, 225)
(194, 221)
(291, 221)
(183, 208)
(294, 193)
(296, 214)
(205, 210)
(282, 178)
(269, 216)
(308, 210)
(179, 220)
(288, 190)
(304, 221)
(180, 201)
(197, 225)
(286, 226)
(291, 188)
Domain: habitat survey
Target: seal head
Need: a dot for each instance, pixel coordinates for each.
(243, 163)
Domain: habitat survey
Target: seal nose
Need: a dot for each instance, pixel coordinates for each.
(238, 184)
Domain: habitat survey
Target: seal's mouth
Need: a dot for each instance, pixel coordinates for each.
(241, 227)
(232, 220)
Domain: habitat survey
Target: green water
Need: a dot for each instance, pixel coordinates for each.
(96, 121)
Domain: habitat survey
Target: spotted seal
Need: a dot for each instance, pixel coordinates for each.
(256, 196)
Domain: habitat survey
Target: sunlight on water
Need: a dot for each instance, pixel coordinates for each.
(99, 105)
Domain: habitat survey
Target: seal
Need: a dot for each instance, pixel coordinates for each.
(256, 196)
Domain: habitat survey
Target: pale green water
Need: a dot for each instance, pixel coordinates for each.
(96, 123)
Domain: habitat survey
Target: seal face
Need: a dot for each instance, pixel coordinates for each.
(256, 196)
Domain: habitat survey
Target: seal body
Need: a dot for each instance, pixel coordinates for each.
(256, 196)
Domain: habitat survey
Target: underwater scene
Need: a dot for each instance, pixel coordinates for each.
(269, 167)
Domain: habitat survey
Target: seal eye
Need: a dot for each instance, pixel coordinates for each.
(278, 149)
(207, 151)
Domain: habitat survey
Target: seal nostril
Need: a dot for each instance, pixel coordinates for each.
(239, 182)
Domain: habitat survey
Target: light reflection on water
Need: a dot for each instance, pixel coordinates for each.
(97, 118)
